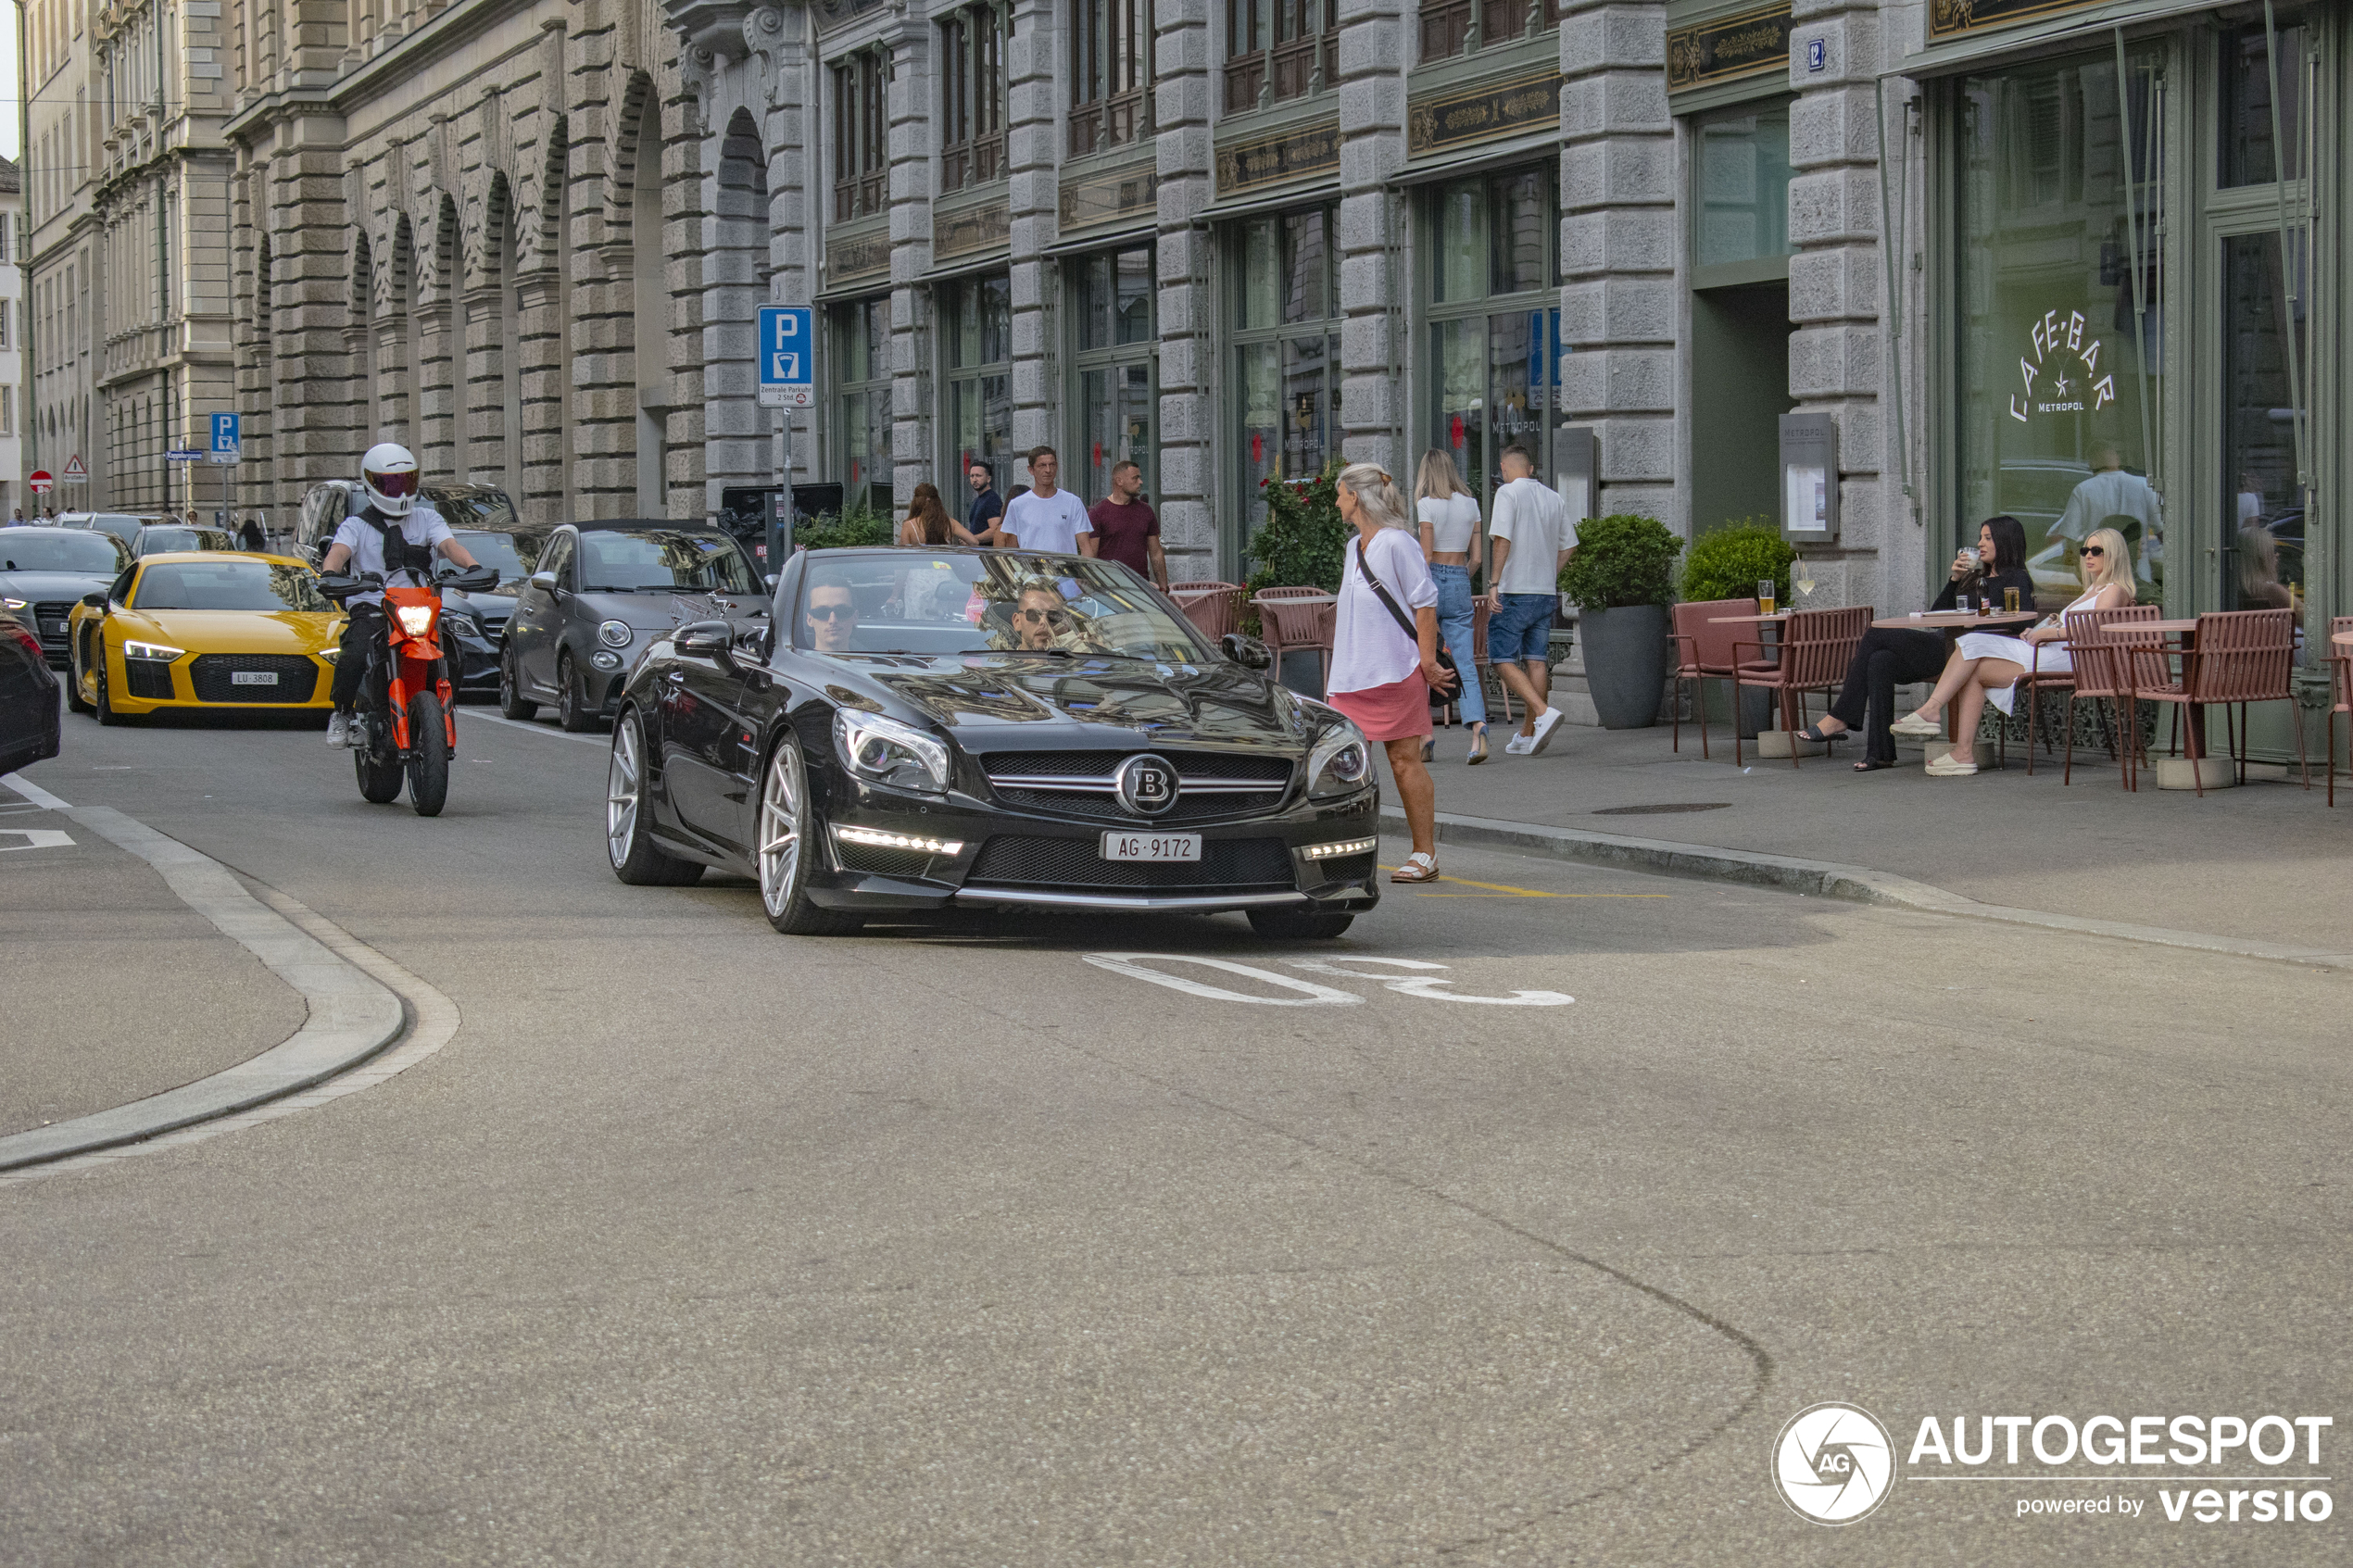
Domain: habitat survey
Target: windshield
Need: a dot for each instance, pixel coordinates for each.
(97, 554)
(516, 559)
(228, 584)
(156, 541)
(661, 561)
(908, 601)
(472, 508)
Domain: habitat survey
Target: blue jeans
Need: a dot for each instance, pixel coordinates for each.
(1454, 626)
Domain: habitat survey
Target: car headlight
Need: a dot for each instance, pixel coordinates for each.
(161, 653)
(614, 633)
(14, 604)
(460, 622)
(331, 652)
(1341, 762)
(890, 752)
(416, 620)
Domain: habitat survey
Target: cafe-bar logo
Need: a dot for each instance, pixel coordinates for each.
(2053, 385)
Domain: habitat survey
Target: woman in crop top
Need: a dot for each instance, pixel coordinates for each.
(1451, 542)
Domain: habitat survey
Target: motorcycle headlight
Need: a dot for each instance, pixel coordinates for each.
(890, 752)
(614, 633)
(159, 652)
(416, 620)
(1341, 763)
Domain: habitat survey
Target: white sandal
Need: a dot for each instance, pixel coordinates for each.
(1420, 866)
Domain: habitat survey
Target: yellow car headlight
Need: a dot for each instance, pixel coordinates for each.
(331, 653)
(416, 620)
(162, 653)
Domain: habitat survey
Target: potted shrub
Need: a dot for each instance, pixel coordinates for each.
(1621, 578)
(1729, 563)
(1302, 542)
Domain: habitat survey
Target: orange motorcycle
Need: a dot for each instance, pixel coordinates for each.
(404, 725)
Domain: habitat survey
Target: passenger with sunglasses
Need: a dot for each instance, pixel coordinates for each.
(1987, 664)
(1043, 620)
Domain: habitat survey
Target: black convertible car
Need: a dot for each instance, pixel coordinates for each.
(925, 729)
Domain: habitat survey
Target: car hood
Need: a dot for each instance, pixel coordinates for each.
(1007, 700)
(490, 608)
(43, 587)
(236, 630)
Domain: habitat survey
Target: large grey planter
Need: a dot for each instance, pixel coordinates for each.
(1626, 663)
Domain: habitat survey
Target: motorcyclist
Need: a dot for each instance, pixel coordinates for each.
(392, 536)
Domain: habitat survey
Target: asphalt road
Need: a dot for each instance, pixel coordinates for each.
(944, 1244)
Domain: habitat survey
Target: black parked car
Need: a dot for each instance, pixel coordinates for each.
(29, 723)
(601, 593)
(921, 729)
(44, 570)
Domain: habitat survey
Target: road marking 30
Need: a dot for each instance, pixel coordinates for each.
(1308, 993)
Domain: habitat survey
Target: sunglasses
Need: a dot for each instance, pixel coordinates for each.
(2092, 550)
(831, 612)
(1051, 617)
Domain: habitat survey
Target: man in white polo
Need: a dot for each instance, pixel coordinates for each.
(1046, 519)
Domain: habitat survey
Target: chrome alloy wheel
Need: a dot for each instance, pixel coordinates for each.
(623, 788)
(780, 819)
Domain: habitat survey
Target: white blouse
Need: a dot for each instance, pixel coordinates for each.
(1454, 520)
(1368, 648)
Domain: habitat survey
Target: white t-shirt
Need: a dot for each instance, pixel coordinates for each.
(1368, 648)
(1051, 523)
(1536, 521)
(1452, 520)
(421, 526)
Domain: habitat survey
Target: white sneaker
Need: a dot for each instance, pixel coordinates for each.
(1546, 723)
(339, 731)
(1519, 746)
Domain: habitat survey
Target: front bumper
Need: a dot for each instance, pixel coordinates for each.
(200, 682)
(1006, 859)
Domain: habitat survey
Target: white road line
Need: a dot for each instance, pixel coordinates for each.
(35, 838)
(533, 725)
(33, 793)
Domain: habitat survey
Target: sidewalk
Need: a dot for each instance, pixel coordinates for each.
(2267, 862)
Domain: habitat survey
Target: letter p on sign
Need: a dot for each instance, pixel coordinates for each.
(787, 374)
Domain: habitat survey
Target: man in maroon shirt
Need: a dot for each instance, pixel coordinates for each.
(1126, 529)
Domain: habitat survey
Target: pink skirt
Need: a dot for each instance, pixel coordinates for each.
(1395, 711)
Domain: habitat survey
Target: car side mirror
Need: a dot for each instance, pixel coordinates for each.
(96, 600)
(705, 639)
(544, 580)
(1248, 652)
(772, 580)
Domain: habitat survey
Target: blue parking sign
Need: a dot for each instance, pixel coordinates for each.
(787, 371)
(225, 442)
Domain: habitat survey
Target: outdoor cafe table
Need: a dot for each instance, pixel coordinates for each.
(1953, 623)
(2341, 639)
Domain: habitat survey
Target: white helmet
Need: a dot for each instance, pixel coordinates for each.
(389, 470)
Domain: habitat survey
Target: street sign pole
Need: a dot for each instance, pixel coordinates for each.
(787, 382)
(227, 452)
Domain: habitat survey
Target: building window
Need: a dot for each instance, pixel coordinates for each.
(978, 329)
(8, 410)
(861, 135)
(1110, 74)
(862, 402)
(1493, 322)
(972, 96)
(1278, 49)
(1117, 340)
(1286, 314)
(7, 328)
(1456, 27)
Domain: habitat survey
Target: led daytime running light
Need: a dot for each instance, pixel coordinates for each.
(876, 839)
(1345, 847)
(161, 653)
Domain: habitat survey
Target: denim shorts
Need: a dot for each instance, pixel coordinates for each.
(1521, 628)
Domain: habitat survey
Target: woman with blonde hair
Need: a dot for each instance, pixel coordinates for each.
(1989, 664)
(1452, 544)
(927, 522)
(1385, 649)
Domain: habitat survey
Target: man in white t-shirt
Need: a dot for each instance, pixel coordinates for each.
(1046, 519)
(1529, 540)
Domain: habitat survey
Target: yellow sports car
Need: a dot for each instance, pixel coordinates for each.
(201, 630)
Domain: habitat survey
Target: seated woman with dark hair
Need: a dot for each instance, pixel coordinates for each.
(1887, 659)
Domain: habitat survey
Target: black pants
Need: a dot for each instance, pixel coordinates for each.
(362, 635)
(1885, 661)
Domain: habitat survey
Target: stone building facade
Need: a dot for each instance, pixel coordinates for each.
(1238, 240)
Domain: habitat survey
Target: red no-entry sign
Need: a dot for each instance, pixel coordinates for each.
(40, 481)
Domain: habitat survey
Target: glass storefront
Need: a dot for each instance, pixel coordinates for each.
(2060, 360)
(977, 323)
(1286, 309)
(1118, 339)
(1495, 323)
(860, 333)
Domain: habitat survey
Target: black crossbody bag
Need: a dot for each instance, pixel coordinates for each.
(1404, 621)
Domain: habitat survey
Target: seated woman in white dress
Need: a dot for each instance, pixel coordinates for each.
(1989, 664)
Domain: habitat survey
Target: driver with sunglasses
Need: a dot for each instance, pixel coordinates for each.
(830, 616)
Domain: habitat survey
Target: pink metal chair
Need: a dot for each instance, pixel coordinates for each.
(2240, 656)
(1816, 648)
(1298, 619)
(2340, 693)
(1214, 608)
(2096, 639)
(1704, 653)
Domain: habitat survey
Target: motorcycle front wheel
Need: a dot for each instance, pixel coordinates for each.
(379, 771)
(428, 755)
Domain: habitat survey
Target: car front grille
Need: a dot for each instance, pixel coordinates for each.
(213, 677)
(1229, 865)
(1078, 783)
(51, 621)
(149, 680)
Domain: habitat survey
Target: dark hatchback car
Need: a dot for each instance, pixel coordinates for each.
(602, 593)
(927, 729)
(30, 728)
(44, 570)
